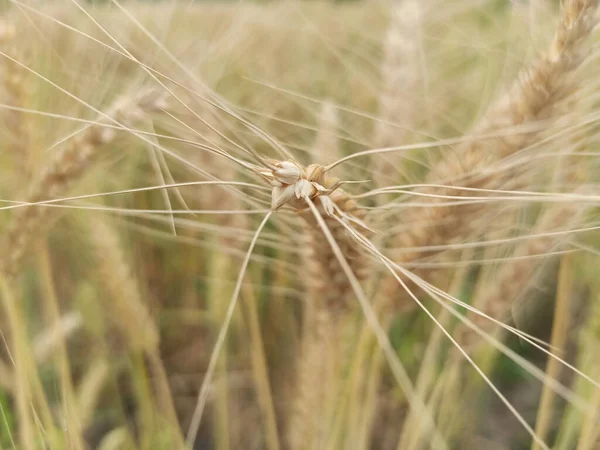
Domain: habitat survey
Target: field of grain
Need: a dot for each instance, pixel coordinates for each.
(367, 225)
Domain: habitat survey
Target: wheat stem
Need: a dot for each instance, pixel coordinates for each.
(74, 428)
(562, 313)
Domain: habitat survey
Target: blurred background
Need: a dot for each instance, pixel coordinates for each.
(132, 143)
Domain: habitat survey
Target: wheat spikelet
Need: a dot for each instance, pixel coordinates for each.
(294, 185)
(330, 286)
(66, 167)
(323, 340)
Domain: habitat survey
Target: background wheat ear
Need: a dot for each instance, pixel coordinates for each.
(125, 306)
(66, 167)
(130, 316)
(538, 93)
(14, 80)
(402, 80)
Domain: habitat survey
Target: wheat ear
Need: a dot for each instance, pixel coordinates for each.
(330, 291)
(400, 76)
(323, 342)
(67, 167)
(533, 97)
(128, 312)
(13, 81)
(326, 141)
(125, 307)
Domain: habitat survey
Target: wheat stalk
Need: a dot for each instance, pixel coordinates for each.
(560, 326)
(589, 340)
(329, 291)
(90, 389)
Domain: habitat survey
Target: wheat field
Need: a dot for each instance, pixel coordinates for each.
(300, 225)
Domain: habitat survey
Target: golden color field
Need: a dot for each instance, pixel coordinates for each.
(362, 225)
